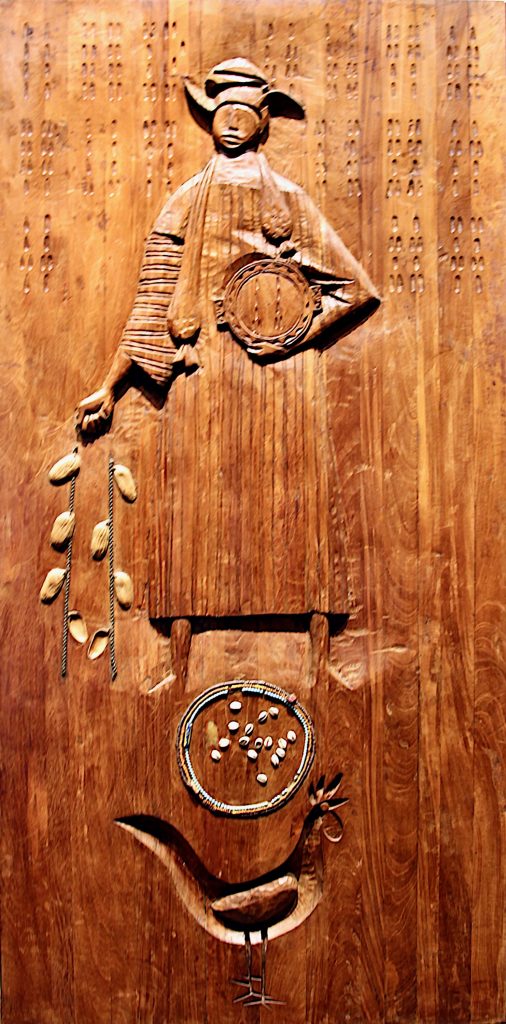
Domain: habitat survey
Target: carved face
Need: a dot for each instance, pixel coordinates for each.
(236, 127)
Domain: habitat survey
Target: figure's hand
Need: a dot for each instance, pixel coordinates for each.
(94, 413)
(265, 348)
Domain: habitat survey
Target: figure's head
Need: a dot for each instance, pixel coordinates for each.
(237, 126)
(237, 104)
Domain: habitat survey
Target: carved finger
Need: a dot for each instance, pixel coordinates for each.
(90, 424)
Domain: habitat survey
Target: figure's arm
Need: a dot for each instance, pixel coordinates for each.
(146, 342)
(94, 412)
(348, 296)
(344, 305)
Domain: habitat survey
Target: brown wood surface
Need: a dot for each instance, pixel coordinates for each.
(401, 151)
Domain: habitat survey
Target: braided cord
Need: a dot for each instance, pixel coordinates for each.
(112, 626)
(66, 592)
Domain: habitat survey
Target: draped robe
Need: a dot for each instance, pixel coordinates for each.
(246, 511)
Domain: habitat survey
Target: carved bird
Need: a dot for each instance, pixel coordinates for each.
(265, 907)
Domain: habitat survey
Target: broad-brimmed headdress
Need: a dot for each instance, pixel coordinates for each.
(238, 81)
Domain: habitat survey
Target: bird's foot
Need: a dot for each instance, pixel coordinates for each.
(253, 997)
(248, 984)
(261, 999)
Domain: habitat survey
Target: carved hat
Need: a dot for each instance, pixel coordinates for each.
(238, 81)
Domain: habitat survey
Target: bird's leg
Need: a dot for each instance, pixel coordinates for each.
(264, 962)
(250, 978)
(261, 998)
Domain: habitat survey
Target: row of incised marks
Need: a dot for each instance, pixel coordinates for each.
(414, 54)
(288, 59)
(47, 64)
(405, 165)
(320, 160)
(392, 56)
(149, 133)
(352, 146)
(455, 153)
(352, 63)
(473, 66)
(416, 280)
(173, 65)
(269, 63)
(477, 259)
(90, 69)
(114, 175)
(46, 61)
(47, 140)
(26, 157)
(166, 33)
(88, 61)
(88, 188)
(27, 34)
(454, 63)
(475, 155)
(26, 261)
(409, 256)
(114, 61)
(458, 261)
(170, 138)
(149, 84)
(331, 62)
(46, 259)
(291, 54)
(51, 134)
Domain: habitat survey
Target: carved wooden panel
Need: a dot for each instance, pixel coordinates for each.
(255, 731)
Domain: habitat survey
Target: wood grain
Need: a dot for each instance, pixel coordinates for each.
(401, 151)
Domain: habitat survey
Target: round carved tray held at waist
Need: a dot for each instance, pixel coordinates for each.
(267, 301)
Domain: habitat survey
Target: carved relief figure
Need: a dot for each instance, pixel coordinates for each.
(242, 286)
(262, 908)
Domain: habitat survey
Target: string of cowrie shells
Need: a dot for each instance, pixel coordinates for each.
(120, 585)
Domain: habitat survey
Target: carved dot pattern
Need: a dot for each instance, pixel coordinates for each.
(26, 153)
(473, 66)
(47, 64)
(414, 54)
(27, 34)
(405, 178)
(477, 258)
(88, 188)
(89, 56)
(352, 64)
(331, 61)
(392, 56)
(352, 146)
(26, 261)
(46, 259)
(114, 61)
